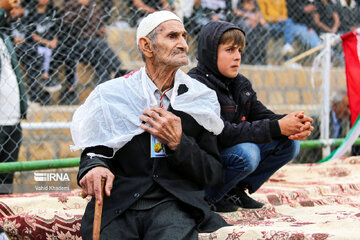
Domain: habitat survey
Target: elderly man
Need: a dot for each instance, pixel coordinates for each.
(151, 135)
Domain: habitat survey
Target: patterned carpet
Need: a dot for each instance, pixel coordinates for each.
(310, 201)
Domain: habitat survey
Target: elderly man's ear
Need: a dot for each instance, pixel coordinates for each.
(146, 47)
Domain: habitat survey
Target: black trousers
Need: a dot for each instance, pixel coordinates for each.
(168, 220)
(10, 141)
(32, 62)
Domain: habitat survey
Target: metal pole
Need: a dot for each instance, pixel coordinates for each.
(318, 143)
(45, 125)
(325, 115)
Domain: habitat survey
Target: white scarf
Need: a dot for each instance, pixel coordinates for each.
(110, 115)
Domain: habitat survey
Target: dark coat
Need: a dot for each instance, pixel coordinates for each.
(246, 118)
(185, 173)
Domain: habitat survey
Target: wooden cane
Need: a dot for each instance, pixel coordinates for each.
(97, 212)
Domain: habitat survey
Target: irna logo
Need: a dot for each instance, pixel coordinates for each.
(51, 177)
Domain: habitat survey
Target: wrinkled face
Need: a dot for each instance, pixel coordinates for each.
(342, 110)
(229, 59)
(170, 47)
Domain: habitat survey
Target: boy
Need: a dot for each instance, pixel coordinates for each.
(255, 142)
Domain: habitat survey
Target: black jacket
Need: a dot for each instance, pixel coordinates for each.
(246, 118)
(184, 174)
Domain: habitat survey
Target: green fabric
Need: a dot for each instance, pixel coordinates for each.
(345, 142)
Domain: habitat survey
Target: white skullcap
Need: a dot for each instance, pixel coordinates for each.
(151, 21)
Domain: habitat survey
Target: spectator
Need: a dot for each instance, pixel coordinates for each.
(86, 29)
(326, 17)
(155, 193)
(13, 104)
(193, 19)
(28, 4)
(141, 8)
(339, 126)
(349, 12)
(43, 22)
(249, 18)
(27, 54)
(217, 10)
(301, 12)
(17, 28)
(276, 15)
(255, 142)
(339, 115)
(205, 11)
(66, 53)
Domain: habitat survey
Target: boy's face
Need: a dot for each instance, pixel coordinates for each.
(229, 59)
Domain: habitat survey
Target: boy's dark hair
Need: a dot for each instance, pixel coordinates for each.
(236, 36)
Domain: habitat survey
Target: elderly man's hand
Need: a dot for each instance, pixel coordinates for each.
(164, 125)
(91, 182)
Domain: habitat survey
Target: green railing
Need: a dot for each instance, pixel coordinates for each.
(74, 162)
(320, 143)
(39, 165)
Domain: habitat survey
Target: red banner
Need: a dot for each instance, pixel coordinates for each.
(351, 46)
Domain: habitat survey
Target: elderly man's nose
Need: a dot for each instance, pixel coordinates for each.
(183, 45)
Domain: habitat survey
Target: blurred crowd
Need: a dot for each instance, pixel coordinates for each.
(49, 34)
(303, 21)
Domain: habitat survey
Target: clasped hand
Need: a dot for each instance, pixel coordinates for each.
(296, 126)
(163, 125)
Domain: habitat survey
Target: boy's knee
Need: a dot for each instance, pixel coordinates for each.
(294, 148)
(250, 156)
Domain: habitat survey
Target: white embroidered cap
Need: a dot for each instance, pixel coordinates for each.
(151, 21)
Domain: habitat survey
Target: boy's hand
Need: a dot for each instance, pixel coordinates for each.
(296, 123)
